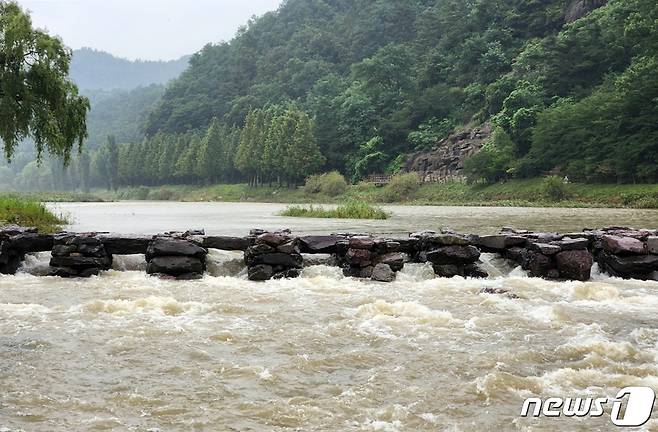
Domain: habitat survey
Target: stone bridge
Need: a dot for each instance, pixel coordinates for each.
(619, 251)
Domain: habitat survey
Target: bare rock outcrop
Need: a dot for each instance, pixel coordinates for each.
(446, 160)
(579, 8)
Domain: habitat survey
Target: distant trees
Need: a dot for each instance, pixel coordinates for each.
(278, 145)
(355, 86)
(36, 97)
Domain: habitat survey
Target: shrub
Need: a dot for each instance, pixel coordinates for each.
(162, 194)
(28, 213)
(401, 187)
(141, 193)
(350, 210)
(555, 189)
(312, 185)
(331, 184)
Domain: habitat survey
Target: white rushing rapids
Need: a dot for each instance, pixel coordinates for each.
(124, 351)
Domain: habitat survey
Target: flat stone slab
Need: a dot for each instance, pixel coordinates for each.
(125, 245)
(165, 247)
(498, 242)
(622, 245)
(227, 243)
(319, 244)
(175, 265)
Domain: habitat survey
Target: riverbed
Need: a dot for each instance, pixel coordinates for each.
(127, 352)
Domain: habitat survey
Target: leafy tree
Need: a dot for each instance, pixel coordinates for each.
(302, 156)
(211, 152)
(36, 97)
(494, 162)
(430, 133)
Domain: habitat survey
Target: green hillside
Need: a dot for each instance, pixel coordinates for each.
(381, 78)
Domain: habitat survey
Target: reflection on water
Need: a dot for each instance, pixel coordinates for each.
(238, 218)
(127, 352)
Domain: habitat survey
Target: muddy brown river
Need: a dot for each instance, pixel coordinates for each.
(127, 352)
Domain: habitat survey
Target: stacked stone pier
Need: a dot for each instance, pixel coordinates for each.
(78, 255)
(16, 242)
(619, 251)
(273, 255)
(372, 258)
(544, 255)
(179, 257)
(451, 254)
(630, 254)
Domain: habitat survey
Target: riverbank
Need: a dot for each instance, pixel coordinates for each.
(516, 193)
(27, 212)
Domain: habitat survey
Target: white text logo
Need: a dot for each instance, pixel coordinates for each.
(637, 401)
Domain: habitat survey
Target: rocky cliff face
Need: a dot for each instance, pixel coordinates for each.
(446, 160)
(580, 8)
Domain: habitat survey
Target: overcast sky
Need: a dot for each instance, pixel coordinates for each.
(146, 29)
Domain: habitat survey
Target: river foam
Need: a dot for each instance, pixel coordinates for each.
(126, 351)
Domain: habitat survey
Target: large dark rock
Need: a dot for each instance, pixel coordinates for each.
(288, 274)
(62, 250)
(359, 257)
(382, 273)
(32, 242)
(575, 264)
(259, 249)
(453, 255)
(394, 260)
(538, 265)
(405, 245)
(166, 246)
(175, 265)
(358, 272)
(82, 262)
(475, 270)
(515, 254)
(290, 247)
(260, 272)
(497, 243)
(544, 248)
(448, 270)
(273, 239)
(10, 258)
(436, 240)
(362, 243)
(622, 245)
(319, 244)
(278, 259)
(228, 243)
(125, 245)
(630, 266)
(567, 244)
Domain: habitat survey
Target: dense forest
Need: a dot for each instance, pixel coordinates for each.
(568, 84)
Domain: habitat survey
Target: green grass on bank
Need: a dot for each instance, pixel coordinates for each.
(29, 213)
(351, 210)
(521, 193)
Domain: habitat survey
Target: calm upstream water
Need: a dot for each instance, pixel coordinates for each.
(127, 352)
